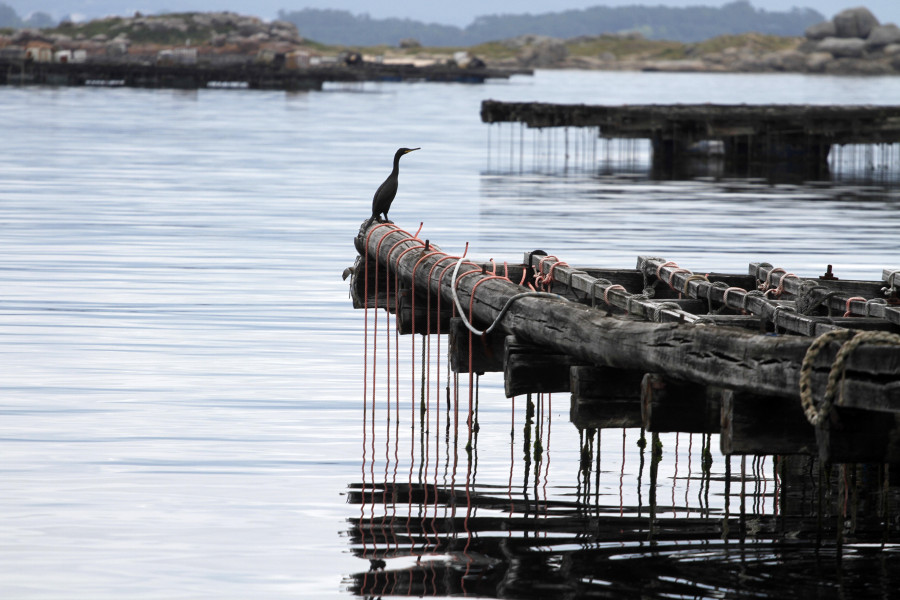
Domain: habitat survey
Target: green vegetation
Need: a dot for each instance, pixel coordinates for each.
(627, 47)
(686, 24)
(173, 29)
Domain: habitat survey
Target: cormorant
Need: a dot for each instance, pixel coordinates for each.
(385, 193)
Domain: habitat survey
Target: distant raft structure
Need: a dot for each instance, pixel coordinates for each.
(798, 137)
(183, 69)
(774, 362)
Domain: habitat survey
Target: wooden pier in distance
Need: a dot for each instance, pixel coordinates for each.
(248, 74)
(776, 363)
(801, 135)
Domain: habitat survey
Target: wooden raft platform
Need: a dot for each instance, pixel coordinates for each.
(776, 363)
(250, 74)
(751, 134)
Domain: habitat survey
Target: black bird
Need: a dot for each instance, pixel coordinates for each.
(385, 193)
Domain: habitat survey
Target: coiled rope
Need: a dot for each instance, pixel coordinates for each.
(815, 413)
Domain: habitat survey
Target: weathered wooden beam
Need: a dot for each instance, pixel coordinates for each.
(846, 289)
(362, 281)
(604, 293)
(741, 299)
(487, 351)
(407, 318)
(836, 124)
(530, 369)
(753, 424)
(668, 405)
(605, 398)
(852, 436)
(709, 355)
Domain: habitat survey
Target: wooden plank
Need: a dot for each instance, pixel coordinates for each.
(604, 398)
(751, 300)
(438, 322)
(714, 356)
(668, 405)
(852, 436)
(531, 369)
(753, 424)
(487, 351)
(358, 287)
(846, 289)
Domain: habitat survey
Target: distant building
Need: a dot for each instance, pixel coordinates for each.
(177, 56)
(39, 52)
(70, 56)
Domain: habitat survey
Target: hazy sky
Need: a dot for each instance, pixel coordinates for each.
(457, 12)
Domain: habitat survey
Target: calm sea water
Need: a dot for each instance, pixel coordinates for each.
(181, 371)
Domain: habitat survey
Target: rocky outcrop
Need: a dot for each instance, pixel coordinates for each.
(854, 23)
(538, 51)
(883, 35)
(853, 42)
(842, 47)
(820, 31)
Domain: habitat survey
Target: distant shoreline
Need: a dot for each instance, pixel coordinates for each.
(852, 43)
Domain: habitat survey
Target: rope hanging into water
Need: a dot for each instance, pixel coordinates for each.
(455, 281)
(815, 413)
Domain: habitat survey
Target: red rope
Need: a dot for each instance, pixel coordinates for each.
(853, 299)
(663, 266)
(413, 340)
(607, 290)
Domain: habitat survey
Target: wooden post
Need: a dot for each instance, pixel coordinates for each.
(851, 435)
(604, 398)
(753, 424)
(487, 351)
(405, 316)
(530, 369)
(668, 405)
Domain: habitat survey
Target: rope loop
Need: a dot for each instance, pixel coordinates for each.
(748, 295)
(780, 289)
(847, 311)
(605, 282)
(775, 314)
(684, 289)
(767, 285)
(869, 303)
(659, 307)
(668, 263)
(612, 287)
(852, 339)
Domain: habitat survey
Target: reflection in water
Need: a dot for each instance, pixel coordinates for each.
(515, 148)
(629, 513)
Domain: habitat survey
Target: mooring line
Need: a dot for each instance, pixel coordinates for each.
(503, 311)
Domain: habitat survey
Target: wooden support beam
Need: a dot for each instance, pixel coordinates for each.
(752, 300)
(530, 369)
(753, 424)
(487, 351)
(605, 398)
(358, 286)
(845, 289)
(852, 436)
(437, 322)
(668, 405)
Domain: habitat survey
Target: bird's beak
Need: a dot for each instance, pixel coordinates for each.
(411, 150)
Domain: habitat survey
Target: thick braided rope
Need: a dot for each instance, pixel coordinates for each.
(815, 414)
